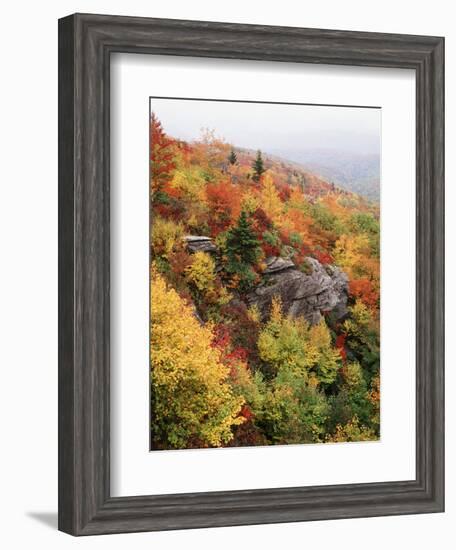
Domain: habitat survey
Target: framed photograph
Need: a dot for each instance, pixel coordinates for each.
(251, 274)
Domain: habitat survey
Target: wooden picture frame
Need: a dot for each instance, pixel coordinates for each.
(85, 45)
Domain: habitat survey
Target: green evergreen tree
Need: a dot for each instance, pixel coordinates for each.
(232, 157)
(242, 244)
(243, 251)
(258, 167)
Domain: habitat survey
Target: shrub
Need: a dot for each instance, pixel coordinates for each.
(352, 431)
(192, 399)
(201, 272)
(292, 345)
(166, 234)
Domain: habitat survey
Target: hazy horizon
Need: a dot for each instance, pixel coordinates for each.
(274, 127)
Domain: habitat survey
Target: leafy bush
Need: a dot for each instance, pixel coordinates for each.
(201, 272)
(352, 431)
(293, 412)
(165, 236)
(293, 345)
(192, 398)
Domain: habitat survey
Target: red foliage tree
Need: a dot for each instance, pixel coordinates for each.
(365, 291)
(323, 257)
(340, 345)
(224, 200)
(261, 221)
(284, 191)
(162, 153)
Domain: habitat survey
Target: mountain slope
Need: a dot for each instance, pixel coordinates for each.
(357, 173)
(274, 274)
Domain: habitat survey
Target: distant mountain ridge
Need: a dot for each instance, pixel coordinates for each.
(310, 183)
(354, 172)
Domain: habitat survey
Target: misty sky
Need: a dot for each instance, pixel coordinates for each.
(270, 127)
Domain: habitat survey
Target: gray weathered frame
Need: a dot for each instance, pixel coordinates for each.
(85, 45)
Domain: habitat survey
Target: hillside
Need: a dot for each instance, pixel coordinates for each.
(354, 172)
(265, 285)
(293, 173)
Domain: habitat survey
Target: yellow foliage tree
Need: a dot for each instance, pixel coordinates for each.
(201, 272)
(353, 376)
(294, 345)
(350, 253)
(329, 359)
(249, 202)
(374, 398)
(165, 235)
(359, 322)
(270, 200)
(352, 431)
(190, 182)
(192, 400)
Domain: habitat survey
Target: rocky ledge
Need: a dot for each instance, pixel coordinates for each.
(274, 264)
(310, 293)
(196, 243)
(323, 288)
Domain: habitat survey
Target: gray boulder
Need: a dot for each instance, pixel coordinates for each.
(275, 264)
(197, 243)
(308, 295)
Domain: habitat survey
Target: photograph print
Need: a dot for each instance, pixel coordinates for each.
(264, 274)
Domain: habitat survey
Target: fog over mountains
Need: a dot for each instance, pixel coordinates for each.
(339, 144)
(355, 172)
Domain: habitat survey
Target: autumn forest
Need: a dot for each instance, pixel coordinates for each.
(265, 297)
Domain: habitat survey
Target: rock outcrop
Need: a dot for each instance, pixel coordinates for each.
(197, 243)
(275, 264)
(323, 288)
(320, 289)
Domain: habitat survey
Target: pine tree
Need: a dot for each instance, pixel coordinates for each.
(258, 167)
(242, 243)
(232, 157)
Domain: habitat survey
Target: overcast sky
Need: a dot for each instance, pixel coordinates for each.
(271, 126)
